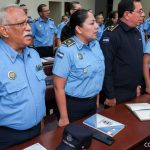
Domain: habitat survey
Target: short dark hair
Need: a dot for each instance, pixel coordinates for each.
(39, 9)
(72, 4)
(112, 14)
(126, 5)
(76, 19)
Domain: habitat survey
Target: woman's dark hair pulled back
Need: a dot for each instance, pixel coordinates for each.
(76, 19)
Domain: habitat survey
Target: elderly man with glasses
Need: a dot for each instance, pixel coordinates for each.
(123, 52)
(22, 84)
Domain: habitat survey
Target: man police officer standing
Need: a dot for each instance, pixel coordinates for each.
(22, 81)
(123, 52)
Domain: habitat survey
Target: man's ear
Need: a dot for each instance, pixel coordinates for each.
(127, 15)
(3, 32)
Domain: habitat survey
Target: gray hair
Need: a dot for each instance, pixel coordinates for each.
(3, 13)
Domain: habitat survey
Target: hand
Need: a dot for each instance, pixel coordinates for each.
(138, 91)
(110, 102)
(148, 90)
(63, 122)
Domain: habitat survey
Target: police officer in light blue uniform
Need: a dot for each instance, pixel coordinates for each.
(44, 31)
(100, 21)
(147, 26)
(146, 66)
(22, 80)
(100, 31)
(147, 47)
(78, 69)
(22, 86)
(141, 29)
(59, 30)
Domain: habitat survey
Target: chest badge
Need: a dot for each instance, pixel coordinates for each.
(40, 26)
(39, 67)
(11, 75)
(85, 70)
(80, 56)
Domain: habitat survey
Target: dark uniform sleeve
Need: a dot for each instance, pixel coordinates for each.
(109, 46)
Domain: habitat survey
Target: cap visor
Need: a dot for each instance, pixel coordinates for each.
(63, 146)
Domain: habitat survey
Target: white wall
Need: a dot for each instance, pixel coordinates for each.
(101, 5)
(33, 4)
(146, 6)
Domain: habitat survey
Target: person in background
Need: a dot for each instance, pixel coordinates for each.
(112, 19)
(146, 65)
(24, 7)
(59, 29)
(44, 32)
(123, 50)
(73, 7)
(90, 10)
(147, 27)
(100, 21)
(22, 81)
(141, 30)
(79, 78)
(64, 18)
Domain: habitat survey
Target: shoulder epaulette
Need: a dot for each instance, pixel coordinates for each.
(112, 27)
(51, 19)
(35, 20)
(69, 42)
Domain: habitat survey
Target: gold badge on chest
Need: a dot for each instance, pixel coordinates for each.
(12, 75)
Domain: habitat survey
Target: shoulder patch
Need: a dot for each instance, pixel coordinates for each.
(69, 42)
(111, 28)
(51, 19)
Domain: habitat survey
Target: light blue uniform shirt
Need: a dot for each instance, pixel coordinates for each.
(100, 31)
(82, 66)
(147, 47)
(43, 32)
(59, 28)
(147, 25)
(22, 88)
(141, 29)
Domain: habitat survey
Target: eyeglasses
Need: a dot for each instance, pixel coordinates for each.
(20, 24)
(139, 12)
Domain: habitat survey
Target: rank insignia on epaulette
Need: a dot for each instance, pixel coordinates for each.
(35, 20)
(39, 67)
(69, 42)
(111, 28)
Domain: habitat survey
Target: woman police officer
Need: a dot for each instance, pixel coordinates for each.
(78, 69)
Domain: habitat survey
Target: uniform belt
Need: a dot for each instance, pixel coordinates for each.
(82, 99)
(36, 126)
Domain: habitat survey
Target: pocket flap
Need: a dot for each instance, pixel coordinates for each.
(15, 87)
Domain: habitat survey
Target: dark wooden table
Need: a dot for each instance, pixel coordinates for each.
(133, 136)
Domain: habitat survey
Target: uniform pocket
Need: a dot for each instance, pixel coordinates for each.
(13, 87)
(82, 71)
(15, 91)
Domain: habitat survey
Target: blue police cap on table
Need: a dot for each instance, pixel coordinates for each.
(76, 137)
